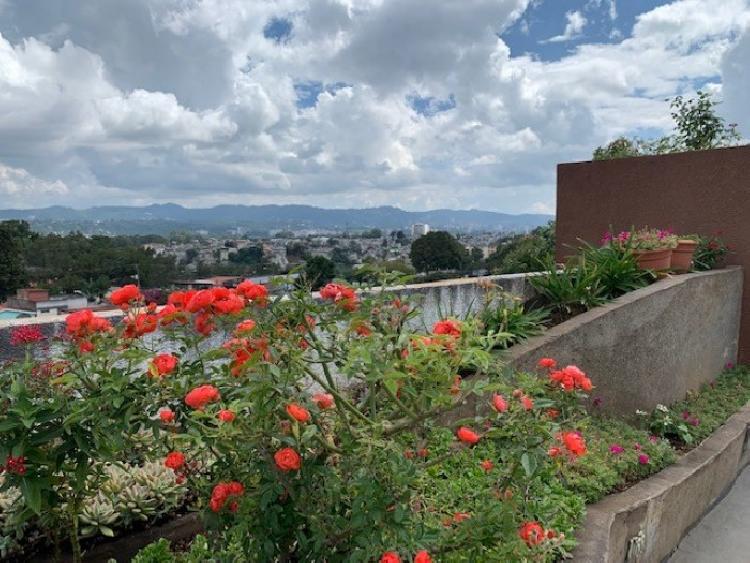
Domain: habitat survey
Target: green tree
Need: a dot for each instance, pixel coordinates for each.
(14, 236)
(622, 147)
(523, 253)
(438, 250)
(697, 127)
(251, 255)
(318, 271)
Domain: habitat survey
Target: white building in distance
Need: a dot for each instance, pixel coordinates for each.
(419, 229)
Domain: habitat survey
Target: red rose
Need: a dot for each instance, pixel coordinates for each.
(226, 415)
(574, 443)
(166, 415)
(547, 363)
(164, 364)
(174, 460)
(448, 327)
(140, 324)
(487, 465)
(204, 323)
(287, 459)
(467, 436)
(323, 400)
(244, 327)
(532, 533)
(570, 378)
(199, 397)
(499, 403)
(422, 557)
(84, 323)
(224, 491)
(253, 292)
(342, 295)
(298, 413)
(390, 557)
(125, 295)
(229, 305)
(526, 402)
(200, 301)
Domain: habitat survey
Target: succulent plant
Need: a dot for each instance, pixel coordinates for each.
(98, 516)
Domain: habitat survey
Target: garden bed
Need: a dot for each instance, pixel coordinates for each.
(344, 465)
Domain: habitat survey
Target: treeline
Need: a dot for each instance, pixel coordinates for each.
(74, 262)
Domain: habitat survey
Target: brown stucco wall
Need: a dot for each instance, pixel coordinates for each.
(699, 192)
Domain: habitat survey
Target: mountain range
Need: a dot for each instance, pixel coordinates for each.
(169, 217)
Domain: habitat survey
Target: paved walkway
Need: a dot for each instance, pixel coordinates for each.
(722, 536)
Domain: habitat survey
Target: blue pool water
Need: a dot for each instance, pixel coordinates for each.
(4, 315)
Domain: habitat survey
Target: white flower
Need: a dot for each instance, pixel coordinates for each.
(662, 408)
(641, 413)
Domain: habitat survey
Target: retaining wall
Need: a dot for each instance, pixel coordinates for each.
(650, 346)
(646, 523)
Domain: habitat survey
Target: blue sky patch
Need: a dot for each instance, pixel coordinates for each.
(429, 105)
(308, 91)
(278, 30)
(549, 30)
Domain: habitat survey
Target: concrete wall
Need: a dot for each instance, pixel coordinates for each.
(645, 523)
(460, 298)
(652, 345)
(649, 346)
(698, 192)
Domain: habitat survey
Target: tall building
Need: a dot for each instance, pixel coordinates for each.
(419, 229)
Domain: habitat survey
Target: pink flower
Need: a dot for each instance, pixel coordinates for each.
(616, 449)
(637, 447)
(643, 459)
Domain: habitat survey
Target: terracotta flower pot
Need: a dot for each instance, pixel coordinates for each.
(653, 259)
(682, 256)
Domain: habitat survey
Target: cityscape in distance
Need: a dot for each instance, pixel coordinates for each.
(163, 219)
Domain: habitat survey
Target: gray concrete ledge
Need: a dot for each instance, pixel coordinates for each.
(645, 523)
(649, 346)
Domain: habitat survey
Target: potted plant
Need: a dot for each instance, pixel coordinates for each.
(682, 254)
(653, 248)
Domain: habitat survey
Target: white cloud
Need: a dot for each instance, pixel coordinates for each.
(18, 186)
(576, 21)
(187, 101)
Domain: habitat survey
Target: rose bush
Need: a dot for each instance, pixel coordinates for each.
(305, 428)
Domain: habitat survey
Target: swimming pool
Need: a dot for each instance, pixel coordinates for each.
(5, 315)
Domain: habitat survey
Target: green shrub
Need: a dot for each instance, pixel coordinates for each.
(616, 269)
(511, 317)
(569, 289)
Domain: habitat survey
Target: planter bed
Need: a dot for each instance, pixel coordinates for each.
(646, 522)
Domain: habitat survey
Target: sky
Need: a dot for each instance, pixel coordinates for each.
(420, 104)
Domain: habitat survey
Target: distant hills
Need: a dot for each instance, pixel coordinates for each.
(165, 218)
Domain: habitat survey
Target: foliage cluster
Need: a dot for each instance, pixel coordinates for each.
(697, 127)
(522, 253)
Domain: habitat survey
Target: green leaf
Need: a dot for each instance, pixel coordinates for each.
(32, 494)
(107, 531)
(529, 464)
